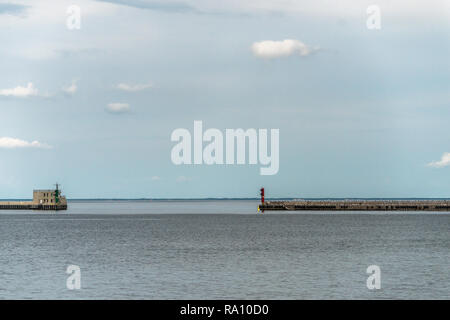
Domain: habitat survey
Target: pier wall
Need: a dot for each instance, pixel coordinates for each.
(21, 205)
(357, 205)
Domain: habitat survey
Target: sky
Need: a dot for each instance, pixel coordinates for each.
(361, 112)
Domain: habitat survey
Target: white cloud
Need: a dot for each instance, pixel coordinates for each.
(183, 179)
(71, 89)
(156, 178)
(12, 143)
(20, 91)
(444, 162)
(276, 49)
(117, 107)
(134, 87)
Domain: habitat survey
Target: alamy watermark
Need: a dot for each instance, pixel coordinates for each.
(373, 21)
(235, 147)
(73, 282)
(374, 280)
(73, 21)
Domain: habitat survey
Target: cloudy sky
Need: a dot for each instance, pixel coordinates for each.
(361, 112)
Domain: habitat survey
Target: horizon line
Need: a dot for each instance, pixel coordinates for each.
(242, 198)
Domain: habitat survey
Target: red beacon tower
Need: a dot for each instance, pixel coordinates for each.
(262, 195)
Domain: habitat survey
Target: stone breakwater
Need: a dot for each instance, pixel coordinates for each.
(357, 205)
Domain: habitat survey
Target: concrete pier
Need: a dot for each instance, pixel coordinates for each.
(30, 206)
(357, 205)
(42, 200)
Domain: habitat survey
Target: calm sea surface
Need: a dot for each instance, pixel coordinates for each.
(221, 250)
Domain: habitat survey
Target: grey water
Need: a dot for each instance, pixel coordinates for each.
(221, 250)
